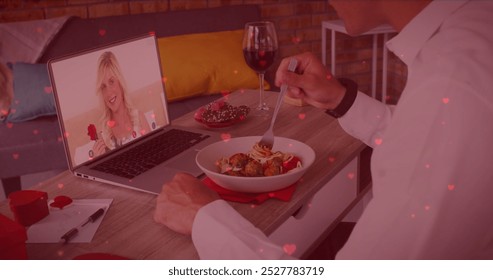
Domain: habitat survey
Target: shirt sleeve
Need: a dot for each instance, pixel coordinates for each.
(367, 119)
(431, 178)
(220, 232)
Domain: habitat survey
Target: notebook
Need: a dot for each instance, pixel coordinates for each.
(113, 114)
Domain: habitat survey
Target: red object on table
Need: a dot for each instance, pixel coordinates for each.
(29, 206)
(12, 240)
(61, 201)
(256, 198)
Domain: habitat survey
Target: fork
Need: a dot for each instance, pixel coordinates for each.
(267, 139)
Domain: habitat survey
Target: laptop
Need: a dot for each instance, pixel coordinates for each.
(113, 115)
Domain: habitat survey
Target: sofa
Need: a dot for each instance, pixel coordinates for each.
(35, 145)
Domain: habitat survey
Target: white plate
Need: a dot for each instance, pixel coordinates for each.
(206, 159)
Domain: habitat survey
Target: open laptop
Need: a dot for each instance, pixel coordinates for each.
(111, 101)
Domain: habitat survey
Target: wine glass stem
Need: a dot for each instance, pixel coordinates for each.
(261, 105)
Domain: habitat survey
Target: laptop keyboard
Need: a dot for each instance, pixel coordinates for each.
(149, 154)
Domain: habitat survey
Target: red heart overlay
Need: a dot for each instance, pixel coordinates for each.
(61, 201)
(289, 248)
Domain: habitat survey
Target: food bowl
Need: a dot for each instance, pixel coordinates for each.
(207, 158)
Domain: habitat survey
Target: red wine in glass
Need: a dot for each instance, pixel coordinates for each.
(259, 49)
(259, 60)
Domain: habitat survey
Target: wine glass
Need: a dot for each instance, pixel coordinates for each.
(259, 50)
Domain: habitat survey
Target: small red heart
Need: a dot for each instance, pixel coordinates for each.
(226, 137)
(301, 116)
(102, 32)
(289, 248)
(295, 39)
(350, 175)
(61, 201)
(111, 123)
(378, 141)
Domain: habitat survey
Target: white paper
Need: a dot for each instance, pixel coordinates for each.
(58, 222)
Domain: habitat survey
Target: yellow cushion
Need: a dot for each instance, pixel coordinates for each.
(204, 63)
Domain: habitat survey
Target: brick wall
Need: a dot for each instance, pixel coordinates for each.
(298, 24)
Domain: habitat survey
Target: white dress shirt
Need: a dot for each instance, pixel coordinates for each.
(432, 164)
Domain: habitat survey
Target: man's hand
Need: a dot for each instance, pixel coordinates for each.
(180, 200)
(311, 82)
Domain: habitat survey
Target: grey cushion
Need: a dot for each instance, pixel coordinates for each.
(33, 95)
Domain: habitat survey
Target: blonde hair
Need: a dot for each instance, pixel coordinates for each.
(108, 62)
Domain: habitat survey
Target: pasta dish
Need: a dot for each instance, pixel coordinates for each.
(258, 162)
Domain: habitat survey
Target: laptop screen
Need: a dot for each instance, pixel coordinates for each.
(108, 97)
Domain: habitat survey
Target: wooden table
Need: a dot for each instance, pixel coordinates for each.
(128, 228)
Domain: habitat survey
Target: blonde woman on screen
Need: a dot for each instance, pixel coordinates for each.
(120, 122)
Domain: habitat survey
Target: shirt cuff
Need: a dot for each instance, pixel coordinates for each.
(367, 119)
(220, 232)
